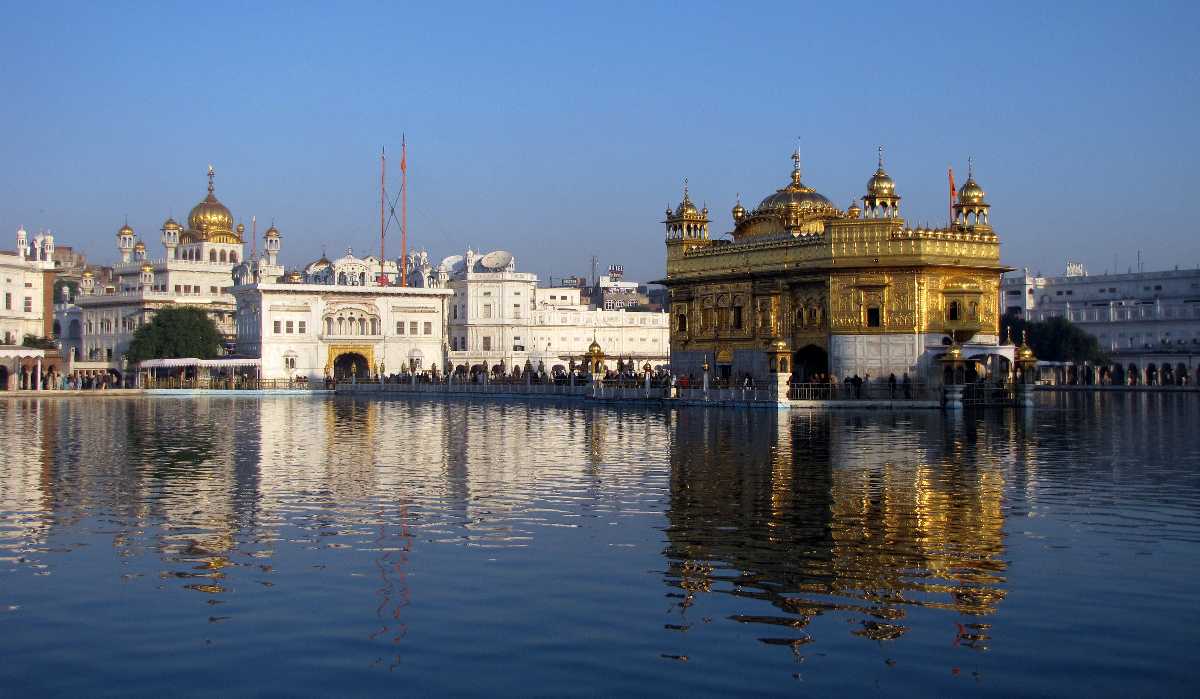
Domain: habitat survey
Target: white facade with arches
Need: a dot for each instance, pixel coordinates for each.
(310, 331)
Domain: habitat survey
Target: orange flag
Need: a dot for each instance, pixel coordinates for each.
(953, 189)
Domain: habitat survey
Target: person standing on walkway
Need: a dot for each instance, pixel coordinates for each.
(892, 385)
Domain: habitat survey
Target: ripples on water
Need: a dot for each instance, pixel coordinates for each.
(296, 545)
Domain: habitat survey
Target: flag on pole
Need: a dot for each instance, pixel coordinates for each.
(403, 155)
(953, 189)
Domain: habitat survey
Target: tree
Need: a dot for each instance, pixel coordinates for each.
(38, 342)
(176, 331)
(1056, 340)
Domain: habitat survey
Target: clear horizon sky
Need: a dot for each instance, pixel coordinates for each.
(559, 131)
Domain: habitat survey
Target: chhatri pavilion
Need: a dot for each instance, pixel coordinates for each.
(803, 287)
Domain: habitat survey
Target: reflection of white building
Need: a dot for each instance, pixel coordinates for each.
(195, 271)
(337, 320)
(499, 317)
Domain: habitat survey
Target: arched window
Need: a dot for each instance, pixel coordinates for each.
(952, 311)
(362, 326)
(974, 310)
(374, 326)
(233, 257)
(341, 278)
(212, 255)
(341, 326)
(222, 257)
(329, 326)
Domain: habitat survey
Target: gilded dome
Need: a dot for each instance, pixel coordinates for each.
(147, 267)
(171, 225)
(971, 192)
(594, 348)
(272, 232)
(210, 217)
(881, 184)
(139, 246)
(795, 196)
(125, 230)
(739, 211)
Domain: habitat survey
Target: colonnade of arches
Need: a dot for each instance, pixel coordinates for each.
(195, 255)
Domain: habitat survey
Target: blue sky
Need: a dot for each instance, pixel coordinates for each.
(562, 130)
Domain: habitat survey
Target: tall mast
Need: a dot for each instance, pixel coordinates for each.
(382, 197)
(253, 237)
(404, 210)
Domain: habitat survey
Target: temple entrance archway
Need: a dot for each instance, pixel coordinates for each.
(351, 365)
(809, 361)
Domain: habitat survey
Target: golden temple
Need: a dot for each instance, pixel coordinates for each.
(838, 292)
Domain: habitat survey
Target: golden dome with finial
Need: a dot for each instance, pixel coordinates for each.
(594, 348)
(272, 232)
(139, 246)
(795, 196)
(739, 211)
(854, 210)
(241, 229)
(881, 184)
(210, 220)
(147, 267)
(171, 225)
(125, 230)
(686, 207)
(88, 274)
(971, 193)
(294, 277)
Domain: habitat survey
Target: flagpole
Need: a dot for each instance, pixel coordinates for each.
(382, 198)
(403, 210)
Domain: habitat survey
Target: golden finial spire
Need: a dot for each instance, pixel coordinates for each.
(880, 157)
(685, 189)
(796, 163)
(211, 172)
(970, 167)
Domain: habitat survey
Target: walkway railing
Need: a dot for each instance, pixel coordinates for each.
(875, 390)
(231, 384)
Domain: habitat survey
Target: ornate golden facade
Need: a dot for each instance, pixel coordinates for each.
(848, 291)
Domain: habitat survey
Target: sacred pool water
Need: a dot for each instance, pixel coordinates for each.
(333, 546)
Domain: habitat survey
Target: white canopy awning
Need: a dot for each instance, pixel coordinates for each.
(193, 361)
(21, 353)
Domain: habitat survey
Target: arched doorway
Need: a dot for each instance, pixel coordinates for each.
(808, 362)
(350, 364)
(3, 378)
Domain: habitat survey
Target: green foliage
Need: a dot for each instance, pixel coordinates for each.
(176, 331)
(1055, 340)
(38, 342)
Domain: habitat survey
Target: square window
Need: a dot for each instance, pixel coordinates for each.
(412, 328)
(290, 327)
(278, 327)
(301, 327)
(428, 327)
(399, 327)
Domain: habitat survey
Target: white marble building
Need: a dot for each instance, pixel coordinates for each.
(1126, 313)
(27, 277)
(337, 320)
(499, 317)
(195, 269)
(27, 281)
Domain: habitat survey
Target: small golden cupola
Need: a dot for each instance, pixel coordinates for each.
(971, 209)
(686, 224)
(739, 211)
(881, 200)
(210, 220)
(853, 211)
